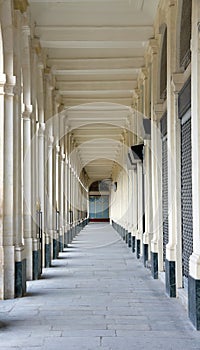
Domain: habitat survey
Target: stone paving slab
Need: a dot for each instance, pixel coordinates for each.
(96, 296)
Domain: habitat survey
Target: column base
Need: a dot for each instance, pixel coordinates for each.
(66, 239)
(145, 253)
(154, 265)
(129, 239)
(39, 262)
(133, 243)
(170, 278)
(36, 267)
(20, 278)
(70, 235)
(8, 272)
(126, 236)
(194, 301)
(47, 255)
(123, 234)
(55, 248)
(73, 232)
(61, 243)
(138, 248)
(28, 246)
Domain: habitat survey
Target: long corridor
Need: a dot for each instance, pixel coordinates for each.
(96, 296)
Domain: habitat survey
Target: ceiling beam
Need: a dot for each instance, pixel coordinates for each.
(96, 85)
(129, 71)
(64, 44)
(83, 27)
(96, 63)
(97, 94)
(75, 102)
(94, 33)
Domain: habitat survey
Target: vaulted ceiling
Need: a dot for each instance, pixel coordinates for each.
(95, 49)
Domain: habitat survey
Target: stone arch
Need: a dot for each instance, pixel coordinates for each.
(184, 34)
(6, 19)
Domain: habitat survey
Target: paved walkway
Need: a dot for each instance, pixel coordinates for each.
(96, 296)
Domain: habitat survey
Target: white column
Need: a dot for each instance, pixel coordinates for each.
(2, 274)
(156, 113)
(35, 52)
(41, 155)
(134, 203)
(195, 81)
(19, 248)
(27, 220)
(66, 174)
(66, 200)
(50, 170)
(27, 151)
(148, 200)
(62, 166)
(173, 263)
(140, 213)
(156, 146)
(50, 211)
(8, 244)
(7, 247)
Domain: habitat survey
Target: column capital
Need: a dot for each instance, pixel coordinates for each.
(136, 93)
(48, 77)
(144, 73)
(40, 64)
(28, 109)
(35, 43)
(50, 140)
(21, 5)
(63, 157)
(171, 252)
(177, 81)
(26, 29)
(41, 129)
(26, 115)
(153, 46)
(158, 111)
(9, 85)
(57, 97)
(194, 265)
(57, 149)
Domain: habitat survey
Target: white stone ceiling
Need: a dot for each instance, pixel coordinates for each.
(95, 49)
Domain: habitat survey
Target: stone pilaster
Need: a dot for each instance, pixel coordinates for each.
(139, 234)
(27, 218)
(7, 251)
(49, 207)
(20, 261)
(61, 229)
(173, 132)
(49, 171)
(156, 112)
(148, 202)
(134, 209)
(27, 202)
